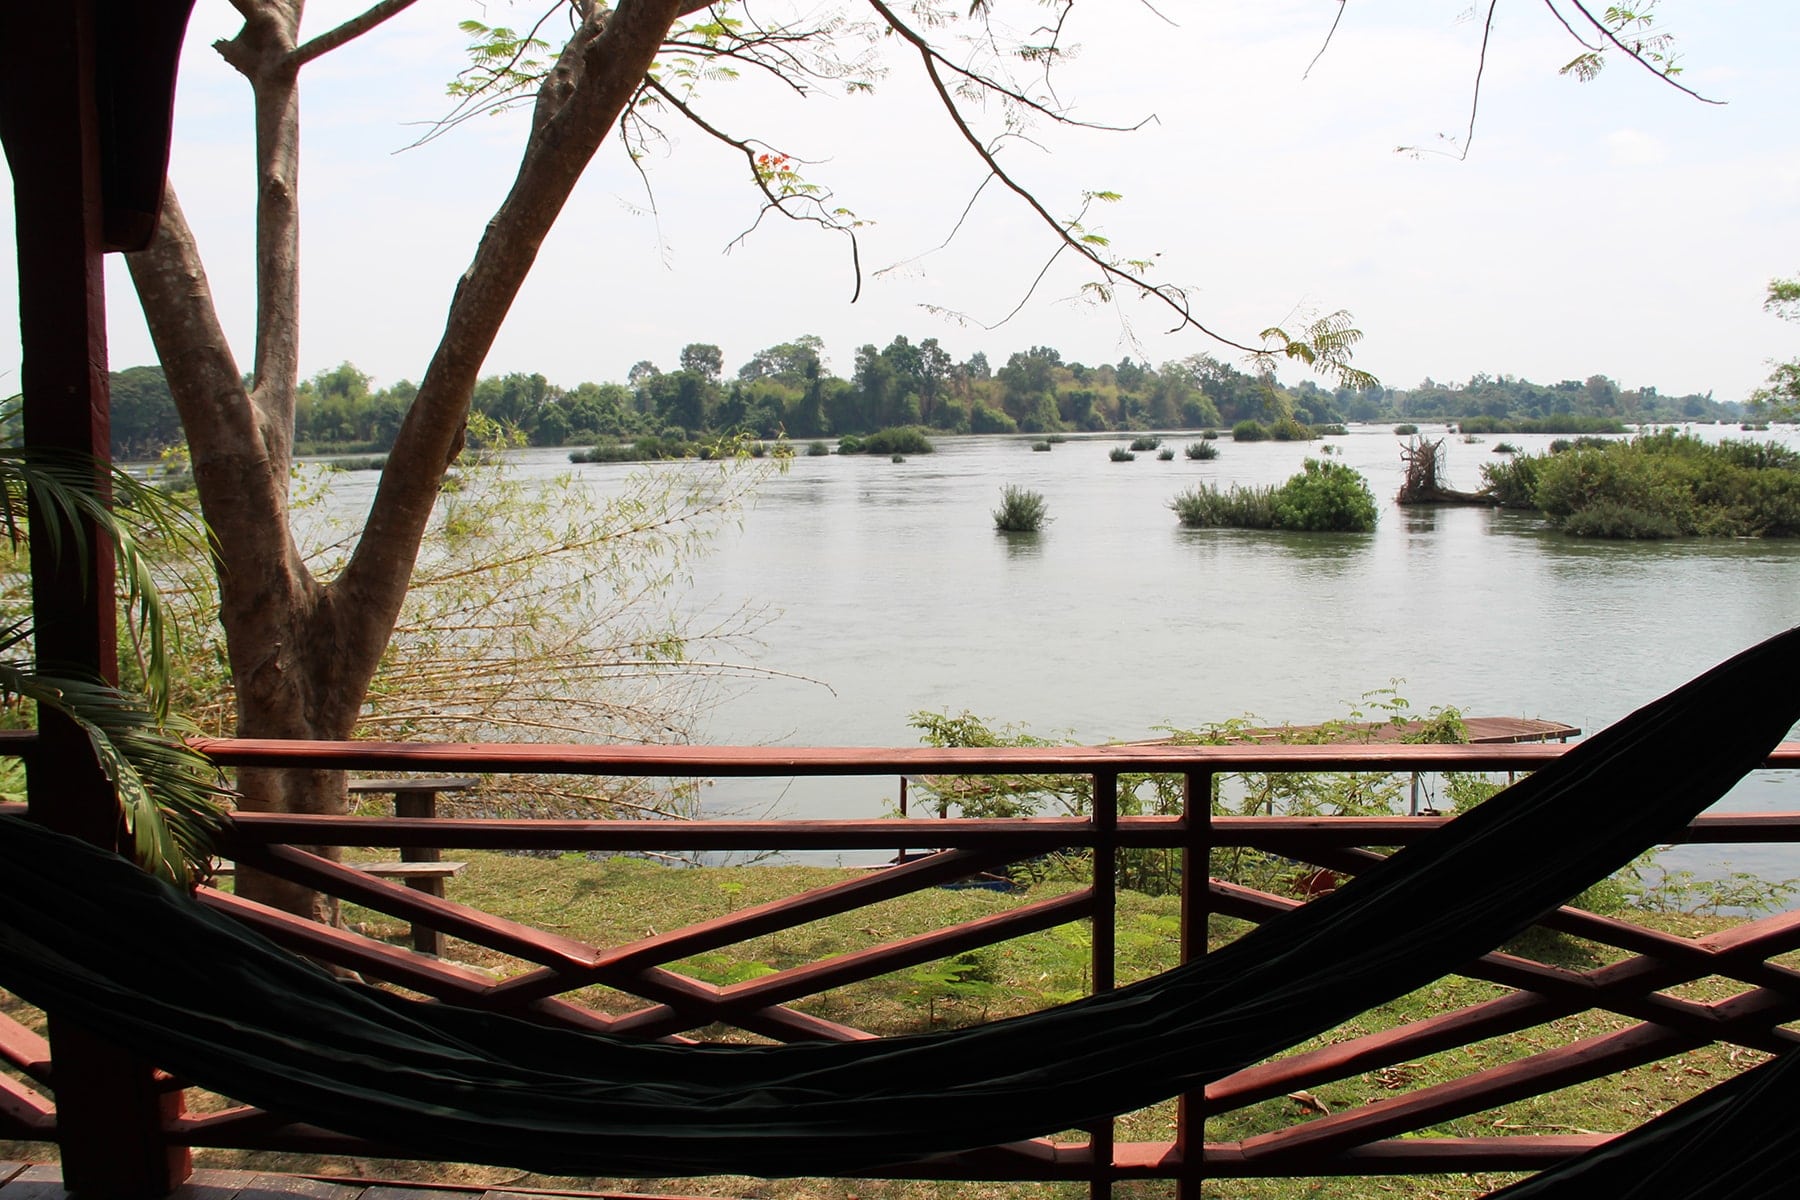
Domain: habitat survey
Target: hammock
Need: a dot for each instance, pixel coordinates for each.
(86, 935)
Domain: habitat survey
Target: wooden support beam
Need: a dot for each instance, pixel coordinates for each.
(61, 138)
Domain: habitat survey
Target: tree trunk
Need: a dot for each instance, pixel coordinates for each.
(302, 651)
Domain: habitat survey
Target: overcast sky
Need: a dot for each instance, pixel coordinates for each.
(1615, 227)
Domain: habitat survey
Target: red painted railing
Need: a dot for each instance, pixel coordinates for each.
(1642, 1017)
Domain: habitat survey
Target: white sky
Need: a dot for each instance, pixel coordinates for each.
(1615, 227)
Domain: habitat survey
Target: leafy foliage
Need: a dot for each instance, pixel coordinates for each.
(1021, 510)
(1658, 485)
(168, 793)
(1202, 451)
(540, 610)
(1324, 497)
(1282, 793)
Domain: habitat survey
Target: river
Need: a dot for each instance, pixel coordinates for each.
(888, 591)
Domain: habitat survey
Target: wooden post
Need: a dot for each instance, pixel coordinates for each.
(1105, 816)
(421, 803)
(417, 798)
(109, 1107)
(1196, 876)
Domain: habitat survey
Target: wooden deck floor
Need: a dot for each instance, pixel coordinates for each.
(24, 1181)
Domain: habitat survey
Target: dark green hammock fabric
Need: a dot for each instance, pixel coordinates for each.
(87, 935)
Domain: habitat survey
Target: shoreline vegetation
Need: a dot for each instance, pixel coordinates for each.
(789, 390)
(1657, 485)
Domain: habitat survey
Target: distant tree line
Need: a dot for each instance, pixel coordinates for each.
(789, 389)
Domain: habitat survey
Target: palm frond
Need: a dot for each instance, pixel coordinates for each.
(64, 485)
(169, 793)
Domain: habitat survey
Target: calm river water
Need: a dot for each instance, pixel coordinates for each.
(889, 592)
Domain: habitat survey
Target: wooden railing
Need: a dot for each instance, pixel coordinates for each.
(1640, 1015)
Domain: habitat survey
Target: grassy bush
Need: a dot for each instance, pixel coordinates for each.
(1657, 485)
(1325, 497)
(1512, 483)
(897, 458)
(1202, 450)
(1021, 510)
(1121, 454)
(817, 449)
(1211, 435)
(1610, 519)
(1505, 448)
(1331, 430)
(901, 439)
(1145, 443)
(1250, 430)
(1210, 507)
(649, 448)
(372, 462)
(1043, 446)
(1555, 423)
(1289, 430)
(1406, 430)
(1165, 454)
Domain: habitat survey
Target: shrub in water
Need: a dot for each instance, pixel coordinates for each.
(1209, 507)
(902, 439)
(897, 458)
(1146, 443)
(1166, 453)
(1202, 450)
(1249, 431)
(1406, 430)
(1505, 448)
(817, 449)
(1121, 454)
(1610, 519)
(1043, 446)
(850, 444)
(1331, 430)
(1289, 430)
(1021, 510)
(1211, 435)
(1326, 497)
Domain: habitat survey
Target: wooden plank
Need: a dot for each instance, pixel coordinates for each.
(41, 1181)
(294, 1187)
(387, 787)
(445, 981)
(213, 1185)
(384, 870)
(24, 1112)
(24, 1048)
(1578, 1062)
(458, 920)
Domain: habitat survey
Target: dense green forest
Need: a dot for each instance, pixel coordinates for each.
(789, 389)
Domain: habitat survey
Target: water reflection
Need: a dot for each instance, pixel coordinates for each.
(1022, 546)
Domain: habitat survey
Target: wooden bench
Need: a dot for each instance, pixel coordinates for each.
(420, 867)
(417, 798)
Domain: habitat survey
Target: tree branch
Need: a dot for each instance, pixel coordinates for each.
(1638, 58)
(612, 67)
(1171, 297)
(762, 177)
(355, 27)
